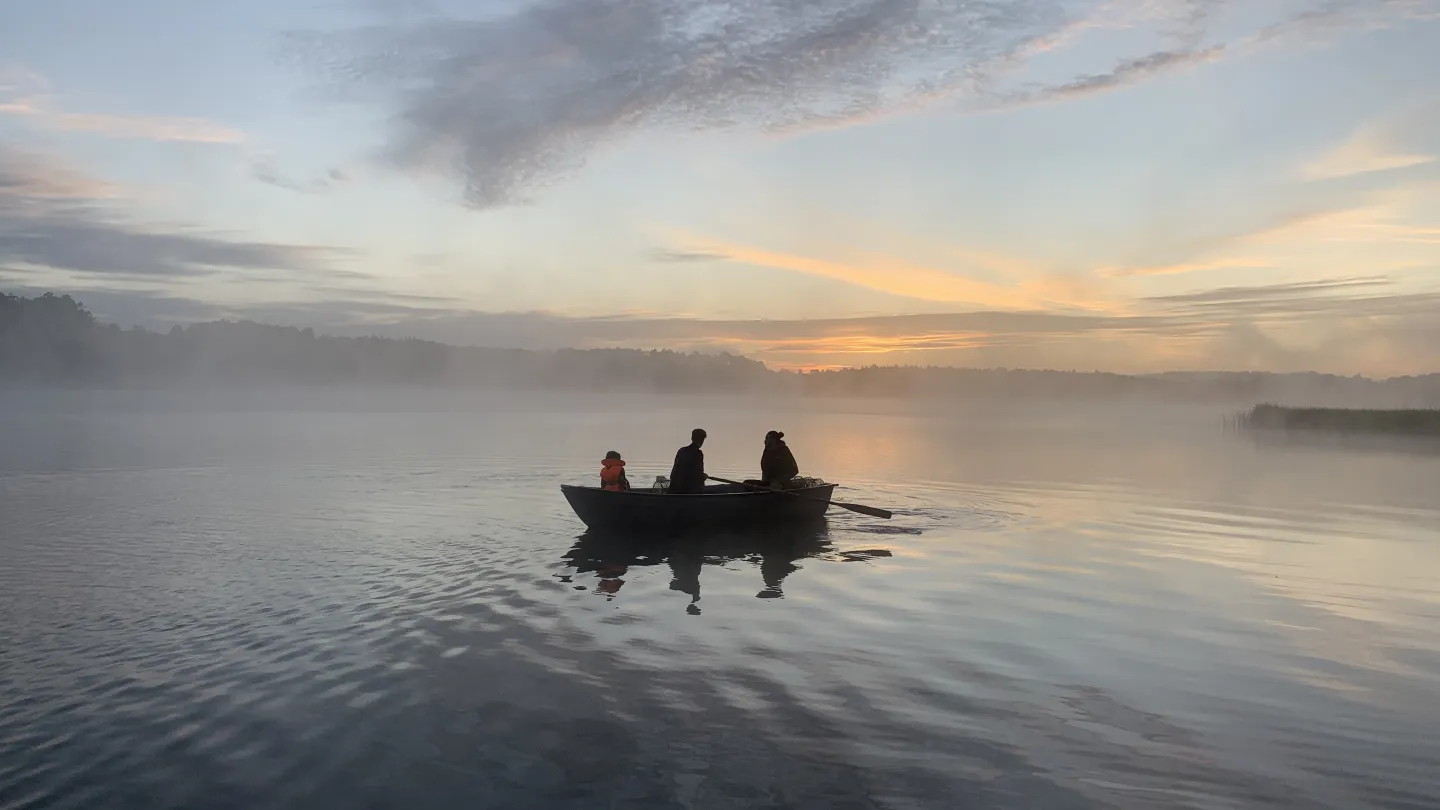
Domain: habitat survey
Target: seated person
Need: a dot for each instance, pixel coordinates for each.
(687, 477)
(612, 473)
(777, 463)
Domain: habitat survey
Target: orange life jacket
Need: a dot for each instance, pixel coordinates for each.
(612, 474)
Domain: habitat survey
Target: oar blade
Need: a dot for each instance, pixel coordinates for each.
(864, 510)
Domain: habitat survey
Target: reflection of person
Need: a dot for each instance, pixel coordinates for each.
(612, 473)
(776, 563)
(687, 477)
(610, 578)
(685, 570)
(777, 463)
(778, 553)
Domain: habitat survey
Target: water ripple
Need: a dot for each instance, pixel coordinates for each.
(419, 621)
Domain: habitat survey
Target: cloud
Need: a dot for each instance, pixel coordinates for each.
(686, 256)
(1365, 152)
(1340, 15)
(149, 128)
(1361, 324)
(83, 241)
(893, 276)
(1393, 216)
(26, 94)
(52, 217)
(16, 80)
(27, 175)
(1234, 263)
(1128, 71)
(760, 337)
(1029, 288)
(1390, 232)
(265, 167)
(1293, 326)
(153, 309)
(1226, 296)
(1326, 319)
(1184, 22)
(518, 99)
(518, 96)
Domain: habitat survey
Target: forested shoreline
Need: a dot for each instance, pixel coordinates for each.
(53, 340)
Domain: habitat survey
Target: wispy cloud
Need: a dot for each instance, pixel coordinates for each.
(149, 128)
(1185, 24)
(31, 176)
(1127, 72)
(348, 311)
(1393, 216)
(1393, 233)
(1332, 16)
(1368, 150)
(27, 95)
(265, 167)
(888, 275)
(1226, 296)
(1349, 325)
(54, 217)
(515, 98)
(950, 273)
(1291, 326)
(1344, 325)
(1229, 263)
(518, 99)
(686, 256)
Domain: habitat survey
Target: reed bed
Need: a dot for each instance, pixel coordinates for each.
(1347, 420)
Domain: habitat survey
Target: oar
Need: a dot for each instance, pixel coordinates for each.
(853, 507)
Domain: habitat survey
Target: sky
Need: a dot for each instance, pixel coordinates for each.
(1072, 184)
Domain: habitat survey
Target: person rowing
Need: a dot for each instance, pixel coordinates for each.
(777, 464)
(687, 476)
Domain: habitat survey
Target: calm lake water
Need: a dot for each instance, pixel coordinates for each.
(360, 599)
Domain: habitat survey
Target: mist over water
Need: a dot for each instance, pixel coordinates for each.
(358, 598)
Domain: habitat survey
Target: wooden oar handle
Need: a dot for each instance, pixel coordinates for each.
(853, 507)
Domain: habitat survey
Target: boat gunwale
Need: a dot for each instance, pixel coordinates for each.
(748, 493)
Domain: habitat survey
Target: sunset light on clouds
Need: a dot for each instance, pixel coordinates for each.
(1129, 186)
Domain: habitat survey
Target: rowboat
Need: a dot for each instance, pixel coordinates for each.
(720, 505)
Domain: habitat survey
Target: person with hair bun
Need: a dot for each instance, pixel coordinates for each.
(777, 463)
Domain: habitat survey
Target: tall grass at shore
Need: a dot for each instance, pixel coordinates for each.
(1347, 420)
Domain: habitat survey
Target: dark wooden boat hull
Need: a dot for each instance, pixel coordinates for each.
(719, 506)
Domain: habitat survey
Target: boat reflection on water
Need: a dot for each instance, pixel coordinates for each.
(775, 550)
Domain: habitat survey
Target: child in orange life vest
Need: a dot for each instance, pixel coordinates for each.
(612, 473)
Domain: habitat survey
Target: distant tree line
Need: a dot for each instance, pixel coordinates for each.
(54, 340)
